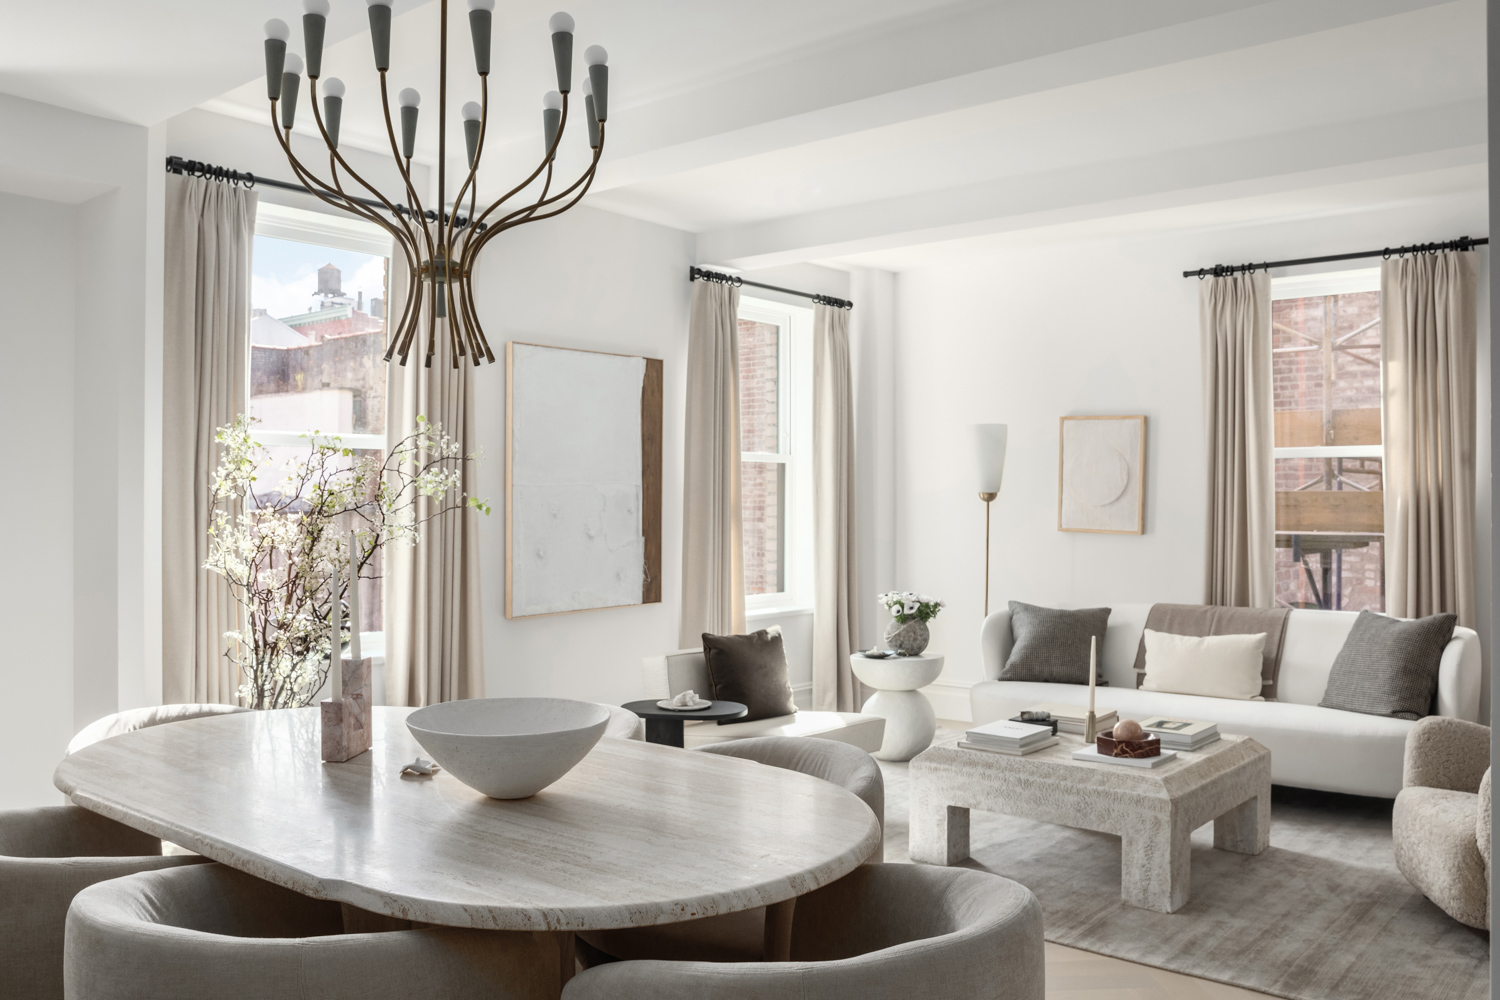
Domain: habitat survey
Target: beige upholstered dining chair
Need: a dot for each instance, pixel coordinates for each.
(738, 937)
(624, 724)
(144, 718)
(212, 931)
(47, 856)
(1441, 822)
(883, 932)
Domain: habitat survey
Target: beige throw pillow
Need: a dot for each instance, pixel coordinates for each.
(1216, 666)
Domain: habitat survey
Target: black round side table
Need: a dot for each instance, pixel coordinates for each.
(664, 726)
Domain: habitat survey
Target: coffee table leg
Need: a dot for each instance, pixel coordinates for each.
(1156, 867)
(777, 943)
(939, 832)
(1246, 829)
(667, 732)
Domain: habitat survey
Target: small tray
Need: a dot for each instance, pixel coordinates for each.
(667, 704)
(1110, 747)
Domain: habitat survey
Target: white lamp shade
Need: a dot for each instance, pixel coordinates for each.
(989, 456)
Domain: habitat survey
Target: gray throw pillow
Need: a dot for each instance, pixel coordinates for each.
(1050, 644)
(1389, 667)
(750, 669)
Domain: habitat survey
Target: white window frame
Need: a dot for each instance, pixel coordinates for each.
(794, 426)
(341, 232)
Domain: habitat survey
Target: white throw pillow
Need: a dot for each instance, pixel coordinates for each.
(1216, 666)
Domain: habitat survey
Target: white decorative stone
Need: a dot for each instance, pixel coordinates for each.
(1153, 812)
(909, 719)
(509, 748)
(635, 835)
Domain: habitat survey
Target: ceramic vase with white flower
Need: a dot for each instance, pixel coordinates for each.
(907, 633)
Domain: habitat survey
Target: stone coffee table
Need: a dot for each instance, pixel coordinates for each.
(1153, 811)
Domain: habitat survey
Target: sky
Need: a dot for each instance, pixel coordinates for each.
(284, 274)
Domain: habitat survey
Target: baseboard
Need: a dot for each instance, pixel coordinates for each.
(802, 695)
(950, 701)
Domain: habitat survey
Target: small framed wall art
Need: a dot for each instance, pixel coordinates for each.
(583, 470)
(1101, 475)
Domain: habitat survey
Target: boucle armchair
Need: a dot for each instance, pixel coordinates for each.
(1441, 823)
(883, 932)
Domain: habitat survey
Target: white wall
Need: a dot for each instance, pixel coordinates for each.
(36, 501)
(1026, 335)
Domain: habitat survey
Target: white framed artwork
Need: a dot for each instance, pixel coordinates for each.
(1101, 475)
(583, 464)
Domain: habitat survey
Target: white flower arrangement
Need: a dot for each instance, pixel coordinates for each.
(906, 606)
(278, 545)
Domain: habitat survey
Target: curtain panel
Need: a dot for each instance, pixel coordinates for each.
(1238, 426)
(210, 230)
(1428, 343)
(835, 574)
(713, 570)
(434, 623)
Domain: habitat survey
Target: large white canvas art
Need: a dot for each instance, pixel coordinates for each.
(579, 511)
(1101, 475)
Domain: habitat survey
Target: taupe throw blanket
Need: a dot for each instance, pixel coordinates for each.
(1201, 620)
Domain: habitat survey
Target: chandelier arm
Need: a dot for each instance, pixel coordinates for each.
(478, 329)
(411, 266)
(502, 226)
(414, 203)
(469, 185)
(501, 222)
(469, 323)
(479, 344)
(546, 164)
(409, 321)
(365, 212)
(530, 214)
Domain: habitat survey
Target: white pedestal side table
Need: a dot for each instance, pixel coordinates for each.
(909, 719)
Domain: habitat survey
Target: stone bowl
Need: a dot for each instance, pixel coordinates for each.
(509, 748)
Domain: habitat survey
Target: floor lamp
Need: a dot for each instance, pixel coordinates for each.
(989, 467)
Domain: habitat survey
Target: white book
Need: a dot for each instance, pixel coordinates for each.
(1181, 729)
(1051, 741)
(1007, 732)
(1172, 743)
(1093, 754)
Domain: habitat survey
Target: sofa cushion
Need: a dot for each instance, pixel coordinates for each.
(750, 669)
(856, 729)
(1208, 619)
(1215, 666)
(1052, 644)
(1388, 666)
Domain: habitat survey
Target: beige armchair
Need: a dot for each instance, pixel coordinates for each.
(1441, 824)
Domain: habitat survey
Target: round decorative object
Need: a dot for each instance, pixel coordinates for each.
(1128, 729)
(907, 638)
(1098, 474)
(509, 748)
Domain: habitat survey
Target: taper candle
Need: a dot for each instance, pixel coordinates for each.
(354, 595)
(1093, 669)
(335, 661)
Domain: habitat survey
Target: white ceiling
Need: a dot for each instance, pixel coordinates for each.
(878, 131)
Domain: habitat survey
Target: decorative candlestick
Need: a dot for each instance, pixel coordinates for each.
(353, 594)
(1090, 723)
(346, 715)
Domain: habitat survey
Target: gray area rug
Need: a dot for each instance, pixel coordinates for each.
(1323, 914)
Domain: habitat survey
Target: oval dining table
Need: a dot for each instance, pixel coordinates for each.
(635, 835)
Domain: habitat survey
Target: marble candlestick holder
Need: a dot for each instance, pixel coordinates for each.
(346, 721)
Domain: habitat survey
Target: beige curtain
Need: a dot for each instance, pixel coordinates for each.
(713, 570)
(1428, 379)
(1235, 322)
(210, 229)
(835, 576)
(434, 622)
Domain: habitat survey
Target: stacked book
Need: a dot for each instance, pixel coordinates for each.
(1016, 739)
(1181, 734)
(1070, 718)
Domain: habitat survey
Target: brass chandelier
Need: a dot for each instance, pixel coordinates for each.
(440, 246)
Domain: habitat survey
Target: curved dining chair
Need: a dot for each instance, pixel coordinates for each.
(739, 937)
(144, 718)
(624, 724)
(883, 932)
(47, 855)
(212, 931)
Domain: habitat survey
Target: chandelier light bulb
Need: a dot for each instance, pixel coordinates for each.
(377, 3)
(276, 28)
(471, 111)
(409, 98)
(276, 35)
(561, 21)
(314, 25)
(333, 87)
(482, 5)
(562, 48)
(588, 87)
(319, 7)
(598, 64)
(551, 121)
(293, 64)
(552, 100)
(595, 55)
(333, 108)
(289, 77)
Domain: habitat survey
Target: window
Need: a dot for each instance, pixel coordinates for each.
(776, 451)
(318, 294)
(1330, 517)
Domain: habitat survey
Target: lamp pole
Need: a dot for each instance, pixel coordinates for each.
(988, 499)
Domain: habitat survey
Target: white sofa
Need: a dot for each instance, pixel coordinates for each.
(686, 670)
(1311, 747)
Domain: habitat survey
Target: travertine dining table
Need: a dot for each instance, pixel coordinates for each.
(635, 835)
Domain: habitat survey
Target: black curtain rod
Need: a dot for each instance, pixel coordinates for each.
(1224, 270)
(699, 274)
(197, 168)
